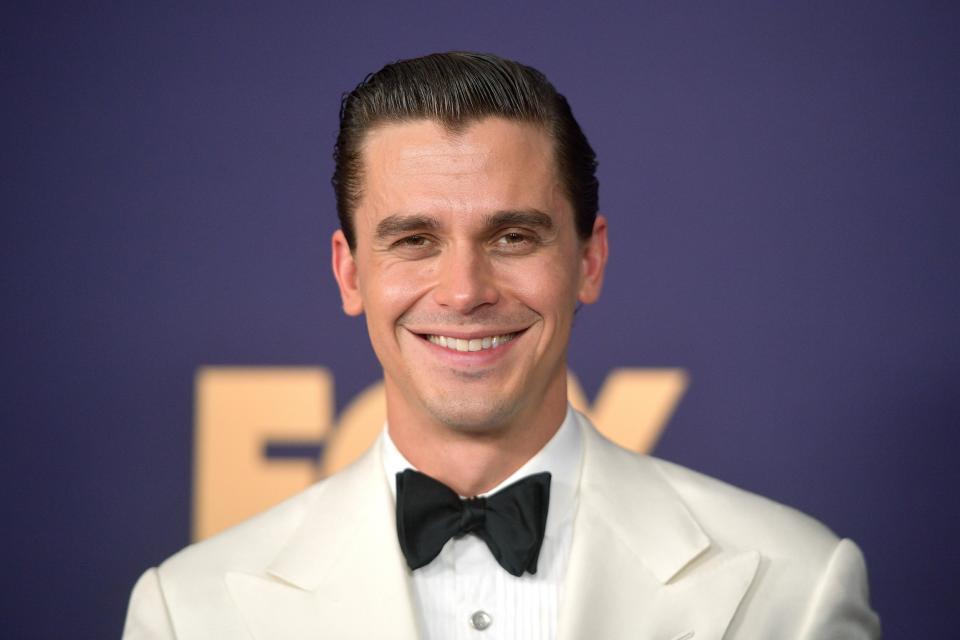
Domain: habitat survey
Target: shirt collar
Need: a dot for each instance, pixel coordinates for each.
(561, 456)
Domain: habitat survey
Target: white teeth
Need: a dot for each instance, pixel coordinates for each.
(474, 344)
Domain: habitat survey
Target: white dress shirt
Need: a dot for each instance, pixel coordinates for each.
(464, 594)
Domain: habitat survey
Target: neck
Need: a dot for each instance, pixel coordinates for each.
(475, 461)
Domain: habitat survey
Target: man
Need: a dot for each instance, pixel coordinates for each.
(469, 234)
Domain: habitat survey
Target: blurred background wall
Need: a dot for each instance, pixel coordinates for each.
(781, 181)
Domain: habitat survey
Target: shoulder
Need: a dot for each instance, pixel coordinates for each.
(669, 502)
(806, 576)
(191, 587)
(804, 569)
(734, 517)
(186, 595)
(253, 544)
(731, 517)
(248, 546)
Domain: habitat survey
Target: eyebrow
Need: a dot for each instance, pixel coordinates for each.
(399, 224)
(521, 218)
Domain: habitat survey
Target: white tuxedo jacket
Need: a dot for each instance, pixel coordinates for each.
(658, 553)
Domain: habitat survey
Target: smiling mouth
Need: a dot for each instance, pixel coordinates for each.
(473, 344)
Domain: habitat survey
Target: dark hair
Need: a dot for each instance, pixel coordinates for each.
(456, 89)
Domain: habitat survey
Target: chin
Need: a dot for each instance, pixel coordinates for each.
(474, 415)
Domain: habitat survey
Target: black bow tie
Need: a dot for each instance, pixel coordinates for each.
(511, 521)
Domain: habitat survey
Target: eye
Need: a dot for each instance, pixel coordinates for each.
(414, 246)
(414, 241)
(513, 238)
(515, 242)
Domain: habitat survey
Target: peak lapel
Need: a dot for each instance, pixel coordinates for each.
(341, 575)
(640, 565)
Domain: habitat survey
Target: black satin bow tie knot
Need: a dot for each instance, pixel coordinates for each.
(511, 521)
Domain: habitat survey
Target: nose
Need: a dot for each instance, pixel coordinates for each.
(466, 281)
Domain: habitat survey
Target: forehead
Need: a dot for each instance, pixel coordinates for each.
(423, 168)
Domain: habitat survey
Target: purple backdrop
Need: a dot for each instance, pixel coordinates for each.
(781, 183)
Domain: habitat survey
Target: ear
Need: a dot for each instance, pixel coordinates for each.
(345, 271)
(593, 262)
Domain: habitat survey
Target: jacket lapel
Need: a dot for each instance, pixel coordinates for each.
(640, 565)
(341, 574)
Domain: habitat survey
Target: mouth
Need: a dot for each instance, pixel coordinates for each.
(482, 343)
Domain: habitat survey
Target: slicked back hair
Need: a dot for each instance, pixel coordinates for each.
(457, 89)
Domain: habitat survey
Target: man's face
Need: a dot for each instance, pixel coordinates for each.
(468, 268)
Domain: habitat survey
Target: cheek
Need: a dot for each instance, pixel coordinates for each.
(389, 290)
(547, 286)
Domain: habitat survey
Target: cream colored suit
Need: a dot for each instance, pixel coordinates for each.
(659, 553)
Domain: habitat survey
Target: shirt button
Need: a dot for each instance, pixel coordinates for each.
(480, 620)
